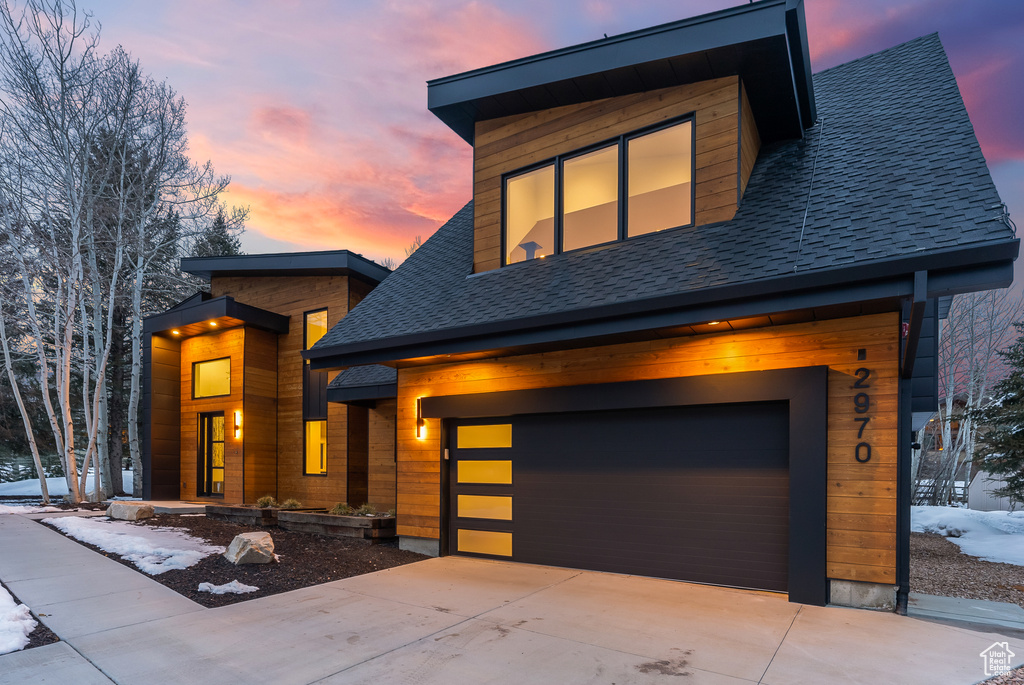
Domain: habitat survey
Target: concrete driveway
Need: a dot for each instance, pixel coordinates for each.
(457, 620)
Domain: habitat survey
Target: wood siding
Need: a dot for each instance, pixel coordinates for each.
(509, 143)
(382, 455)
(750, 140)
(292, 296)
(229, 343)
(259, 414)
(861, 497)
(165, 416)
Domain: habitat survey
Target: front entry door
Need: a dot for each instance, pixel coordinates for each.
(211, 454)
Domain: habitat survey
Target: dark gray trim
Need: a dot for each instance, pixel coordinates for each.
(952, 271)
(326, 263)
(763, 42)
(916, 319)
(145, 417)
(806, 390)
(903, 495)
(216, 308)
(362, 393)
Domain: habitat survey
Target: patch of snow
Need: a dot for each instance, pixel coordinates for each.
(989, 535)
(57, 486)
(16, 623)
(234, 587)
(25, 509)
(153, 550)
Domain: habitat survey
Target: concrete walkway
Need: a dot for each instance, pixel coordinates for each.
(456, 620)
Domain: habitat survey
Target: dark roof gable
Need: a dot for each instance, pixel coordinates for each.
(899, 182)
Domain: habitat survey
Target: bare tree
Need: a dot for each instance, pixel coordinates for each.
(978, 325)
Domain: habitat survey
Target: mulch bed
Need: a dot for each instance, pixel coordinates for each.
(41, 635)
(938, 567)
(305, 560)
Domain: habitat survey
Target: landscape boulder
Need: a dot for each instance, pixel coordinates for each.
(251, 548)
(129, 511)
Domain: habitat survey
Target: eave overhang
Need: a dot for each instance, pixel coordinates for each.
(324, 263)
(362, 393)
(764, 43)
(949, 272)
(195, 317)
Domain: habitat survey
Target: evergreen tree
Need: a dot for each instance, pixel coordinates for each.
(1001, 425)
(219, 240)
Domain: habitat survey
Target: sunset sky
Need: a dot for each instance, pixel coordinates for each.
(317, 109)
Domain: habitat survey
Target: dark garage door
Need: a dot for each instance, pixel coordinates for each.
(698, 493)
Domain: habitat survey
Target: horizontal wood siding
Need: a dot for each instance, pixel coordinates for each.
(861, 497)
(165, 415)
(510, 143)
(750, 140)
(292, 296)
(259, 420)
(229, 343)
(382, 455)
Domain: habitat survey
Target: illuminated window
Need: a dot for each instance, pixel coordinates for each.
(316, 327)
(485, 507)
(485, 542)
(316, 448)
(211, 378)
(530, 215)
(638, 184)
(498, 472)
(479, 437)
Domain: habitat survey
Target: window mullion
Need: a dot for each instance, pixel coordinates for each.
(559, 205)
(623, 187)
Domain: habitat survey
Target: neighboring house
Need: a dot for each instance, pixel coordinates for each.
(980, 495)
(686, 326)
(231, 412)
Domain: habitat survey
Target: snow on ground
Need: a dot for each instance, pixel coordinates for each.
(24, 509)
(234, 587)
(16, 623)
(58, 487)
(152, 550)
(989, 535)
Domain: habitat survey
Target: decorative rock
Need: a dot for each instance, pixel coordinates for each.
(129, 511)
(251, 548)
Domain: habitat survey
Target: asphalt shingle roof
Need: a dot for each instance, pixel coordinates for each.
(897, 172)
(359, 376)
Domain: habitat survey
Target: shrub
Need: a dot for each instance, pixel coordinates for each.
(266, 502)
(366, 510)
(291, 504)
(390, 512)
(342, 509)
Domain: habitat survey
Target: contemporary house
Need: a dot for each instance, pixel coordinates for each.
(686, 327)
(231, 410)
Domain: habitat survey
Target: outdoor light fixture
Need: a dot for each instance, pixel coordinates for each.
(213, 324)
(175, 332)
(420, 423)
(238, 424)
(714, 323)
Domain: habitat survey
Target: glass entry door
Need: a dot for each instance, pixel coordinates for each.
(211, 454)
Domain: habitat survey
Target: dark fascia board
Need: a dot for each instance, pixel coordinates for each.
(213, 309)
(362, 393)
(545, 80)
(191, 300)
(325, 263)
(949, 272)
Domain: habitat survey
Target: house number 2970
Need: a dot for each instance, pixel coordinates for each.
(861, 405)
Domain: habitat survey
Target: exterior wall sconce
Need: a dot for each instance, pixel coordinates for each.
(421, 425)
(238, 424)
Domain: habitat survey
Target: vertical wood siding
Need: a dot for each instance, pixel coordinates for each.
(514, 142)
(861, 497)
(292, 297)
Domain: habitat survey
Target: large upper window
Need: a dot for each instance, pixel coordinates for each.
(211, 378)
(639, 183)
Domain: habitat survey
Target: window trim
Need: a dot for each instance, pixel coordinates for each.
(305, 470)
(622, 142)
(204, 361)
